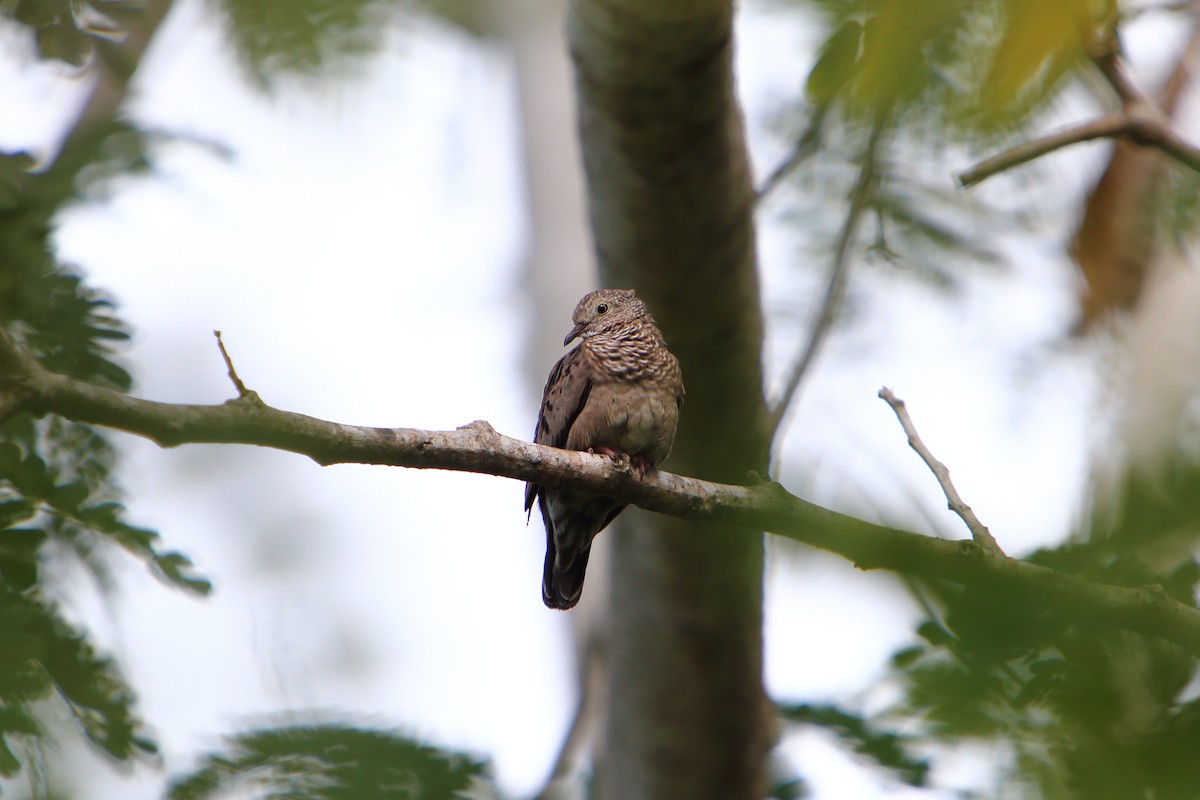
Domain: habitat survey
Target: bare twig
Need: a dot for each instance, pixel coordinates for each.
(804, 148)
(1139, 120)
(835, 289)
(979, 532)
(1106, 126)
(243, 392)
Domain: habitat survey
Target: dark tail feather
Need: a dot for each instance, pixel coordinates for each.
(562, 589)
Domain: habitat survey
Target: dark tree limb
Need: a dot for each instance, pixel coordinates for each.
(477, 447)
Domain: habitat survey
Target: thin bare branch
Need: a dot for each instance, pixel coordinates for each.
(1107, 126)
(242, 391)
(835, 289)
(804, 148)
(979, 532)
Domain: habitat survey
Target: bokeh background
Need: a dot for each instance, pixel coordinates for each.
(394, 235)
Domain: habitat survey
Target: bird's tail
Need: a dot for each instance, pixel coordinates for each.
(561, 588)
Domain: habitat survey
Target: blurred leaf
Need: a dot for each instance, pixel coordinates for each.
(329, 762)
(835, 63)
(1041, 41)
(902, 659)
(289, 38)
(470, 16)
(894, 66)
(9, 765)
(12, 512)
(13, 168)
(67, 497)
(886, 749)
(44, 655)
(64, 42)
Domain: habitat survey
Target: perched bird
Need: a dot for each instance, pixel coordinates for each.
(618, 392)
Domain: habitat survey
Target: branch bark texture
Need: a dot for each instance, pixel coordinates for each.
(671, 202)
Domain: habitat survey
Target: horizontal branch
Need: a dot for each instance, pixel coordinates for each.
(477, 447)
(1106, 126)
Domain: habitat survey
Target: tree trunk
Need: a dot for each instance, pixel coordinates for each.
(671, 204)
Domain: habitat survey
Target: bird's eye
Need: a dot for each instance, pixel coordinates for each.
(602, 308)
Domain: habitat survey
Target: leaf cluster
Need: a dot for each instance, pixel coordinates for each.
(934, 79)
(868, 738)
(1083, 711)
(302, 38)
(330, 762)
(59, 499)
(74, 31)
(58, 496)
(46, 657)
(972, 63)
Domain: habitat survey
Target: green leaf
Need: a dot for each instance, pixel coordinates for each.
(68, 496)
(9, 765)
(907, 657)
(10, 458)
(13, 512)
(885, 748)
(175, 568)
(331, 762)
(32, 478)
(18, 721)
(835, 63)
(301, 37)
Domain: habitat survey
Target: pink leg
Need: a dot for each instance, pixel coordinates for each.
(639, 462)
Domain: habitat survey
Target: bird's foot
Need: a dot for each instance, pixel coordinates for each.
(623, 461)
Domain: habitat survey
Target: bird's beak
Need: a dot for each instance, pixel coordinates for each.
(573, 335)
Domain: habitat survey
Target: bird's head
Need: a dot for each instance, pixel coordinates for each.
(604, 310)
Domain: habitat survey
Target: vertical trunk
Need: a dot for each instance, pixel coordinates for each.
(671, 205)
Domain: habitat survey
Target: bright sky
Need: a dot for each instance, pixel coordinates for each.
(361, 255)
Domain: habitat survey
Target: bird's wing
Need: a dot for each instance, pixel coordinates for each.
(563, 399)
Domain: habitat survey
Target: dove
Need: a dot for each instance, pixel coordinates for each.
(617, 393)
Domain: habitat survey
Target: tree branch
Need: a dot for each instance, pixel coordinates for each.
(1139, 120)
(1107, 126)
(804, 148)
(477, 447)
(835, 288)
(979, 532)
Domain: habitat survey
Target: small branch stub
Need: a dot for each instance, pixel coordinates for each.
(243, 392)
(979, 532)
